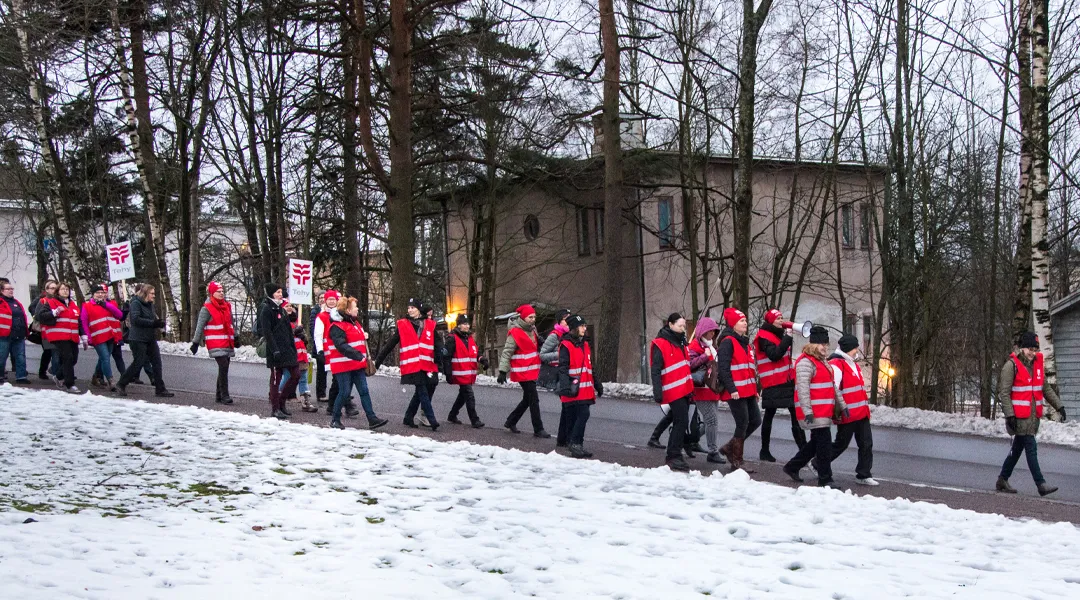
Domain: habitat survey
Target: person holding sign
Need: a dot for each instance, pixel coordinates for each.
(101, 324)
(215, 329)
(276, 318)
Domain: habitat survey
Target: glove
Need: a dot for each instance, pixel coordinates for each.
(101, 303)
(56, 311)
(484, 362)
(1010, 425)
(159, 324)
(236, 342)
(194, 348)
(1062, 411)
(85, 342)
(502, 377)
(599, 389)
(809, 420)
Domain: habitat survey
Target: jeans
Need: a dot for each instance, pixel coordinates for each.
(118, 358)
(860, 430)
(16, 349)
(530, 400)
(279, 393)
(712, 424)
(104, 357)
(466, 399)
(345, 383)
(1027, 445)
(142, 355)
(747, 416)
(302, 385)
(819, 449)
(420, 399)
(766, 429)
(578, 417)
(679, 411)
(222, 389)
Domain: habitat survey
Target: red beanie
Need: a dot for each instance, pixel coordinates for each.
(331, 294)
(525, 310)
(213, 287)
(733, 316)
(772, 316)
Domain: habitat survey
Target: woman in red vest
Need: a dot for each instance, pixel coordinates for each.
(419, 347)
(59, 318)
(521, 359)
(577, 388)
(101, 324)
(673, 387)
(816, 404)
(855, 421)
(738, 383)
(462, 368)
(776, 373)
(347, 356)
(702, 351)
(215, 329)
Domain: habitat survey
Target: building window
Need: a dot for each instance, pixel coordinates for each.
(850, 322)
(598, 213)
(847, 226)
(664, 229)
(867, 334)
(35, 293)
(532, 227)
(583, 217)
(865, 222)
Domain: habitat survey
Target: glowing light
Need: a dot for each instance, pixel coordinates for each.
(891, 372)
(450, 317)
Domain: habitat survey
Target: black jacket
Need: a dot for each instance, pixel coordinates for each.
(341, 339)
(143, 322)
(777, 396)
(18, 319)
(395, 339)
(724, 352)
(657, 359)
(275, 325)
(564, 367)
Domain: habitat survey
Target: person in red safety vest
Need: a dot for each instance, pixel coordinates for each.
(673, 385)
(100, 321)
(419, 347)
(776, 373)
(738, 384)
(855, 421)
(521, 360)
(817, 402)
(578, 390)
(59, 318)
(462, 366)
(215, 329)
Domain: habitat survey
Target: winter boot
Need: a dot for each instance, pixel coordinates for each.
(96, 381)
(678, 464)
(793, 474)
(764, 454)
(654, 442)
(1003, 486)
(716, 457)
(377, 423)
(737, 448)
(696, 447)
(478, 424)
(726, 450)
(689, 450)
(576, 451)
(1046, 489)
(512, 428)
(453, 419)
(110, 384)
(337, 424)
(306, 405)
(280, 414)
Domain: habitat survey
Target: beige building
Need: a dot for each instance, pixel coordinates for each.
(814, 245)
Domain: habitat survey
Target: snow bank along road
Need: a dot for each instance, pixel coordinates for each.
(141, 501)
(958, 470)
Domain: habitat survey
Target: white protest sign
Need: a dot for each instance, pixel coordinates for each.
(121, 261)
(300, 279)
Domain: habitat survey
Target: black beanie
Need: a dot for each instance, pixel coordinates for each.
(575, 321)
(463, 319)
(415, 302)
(819, 335)
(848, 342)
(1029, 340)
(271, 288)
(562, 314)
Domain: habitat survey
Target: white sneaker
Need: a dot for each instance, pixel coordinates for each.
(74, 390)
(868, 481)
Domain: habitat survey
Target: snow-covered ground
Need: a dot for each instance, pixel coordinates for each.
(141, 501)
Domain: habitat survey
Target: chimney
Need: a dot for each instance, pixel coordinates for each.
(631, 132)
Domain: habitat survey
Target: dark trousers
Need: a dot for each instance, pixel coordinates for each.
(279, 394)
(421, 399)
(820, 450)
(222, 390)
(143, 354)
(566, 423)
(679, 411)
(345, 383)
(66, 351)
(433, 382)
(747, 416)
(46, 361)
(530, 400)
(1027, 445)
(662, 426)
(577, 417)
(466, 399)
(766, 429)
(860, 430)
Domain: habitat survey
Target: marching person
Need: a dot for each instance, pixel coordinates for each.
(702, 352)
(1022, 390)
(549, 352)
(577, 388)
(461, 370)
(855, 422)
(98, 379)
(331, 298)
(59, 318)
(419, 347)
(672, 384)
(215, 329)
(521, 359)
(428, 313)
(303, 361)
(143, 325)
(276, 318)
(14, 327)
(347, 355)
(45, 363)
(101, 324)
(738, 379)
(816, 403)
(776, 372)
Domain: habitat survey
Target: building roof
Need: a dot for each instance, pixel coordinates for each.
(1065, 304)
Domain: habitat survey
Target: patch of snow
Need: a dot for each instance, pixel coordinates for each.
(244, 354)
(136, 500)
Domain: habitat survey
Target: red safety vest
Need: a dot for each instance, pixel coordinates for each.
(417, 353)
(580, 368)
(525, 363)
(822, 392)
(103, 325)
(703, 393)
(1027, 389)
(742, 372)
(5, 317)
(66, 328)
(852, 390)
(219, 332)
(339, 363)
(773, 372)
(675, 381)
(463, 365)
(301, 351)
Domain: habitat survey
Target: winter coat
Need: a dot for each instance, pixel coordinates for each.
(19, 326)
(724, 352)
(549, 352)
(564, 369)
(43, 315)
(275, 325)
(341, 338)
(200, 326)
(804, 372)
(143, 322)
(420, 378)
(700, 360)
(777, 396)
(656, 359)
(510, 347)
(1030, 425)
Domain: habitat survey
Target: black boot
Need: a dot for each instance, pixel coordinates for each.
(576, 451)
(678, 464)
(654, 442)
(377, 423)
(337, 424)
(453, 419)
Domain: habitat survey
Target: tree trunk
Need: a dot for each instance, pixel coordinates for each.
(1024, 273)
(399, 201)
(1040, 183)
(350, 58)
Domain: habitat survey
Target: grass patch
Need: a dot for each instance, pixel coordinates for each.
(160, 496)
(299, 553)
(316, 470)
(370, 501)
(282, 471)
(359, 456)
(30, 507)
(376, 520)
(496, 572)
(213, 488)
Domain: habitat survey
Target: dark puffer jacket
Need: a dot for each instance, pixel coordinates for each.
(143, 322)
(783, 395)
(724, 351)
(276, 326)
(656, 359)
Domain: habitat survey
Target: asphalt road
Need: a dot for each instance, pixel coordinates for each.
(957, 470)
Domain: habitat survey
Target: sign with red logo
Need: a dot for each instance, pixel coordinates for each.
(301, 274)
(121, 261)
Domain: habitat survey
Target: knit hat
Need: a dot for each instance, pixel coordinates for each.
(819, 335)
(414, 302)
(1029, 340)
(104, 287)
(848, 342)
(733, 316)
(331, 294)
(575, 321)
(271, 288)
(463, 319)
(562, 314)
(213, 287)
(525, 310)
(772, 316)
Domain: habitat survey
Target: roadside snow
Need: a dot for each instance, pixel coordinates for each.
(139, 501)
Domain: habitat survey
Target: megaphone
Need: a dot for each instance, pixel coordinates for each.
(804, 329)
